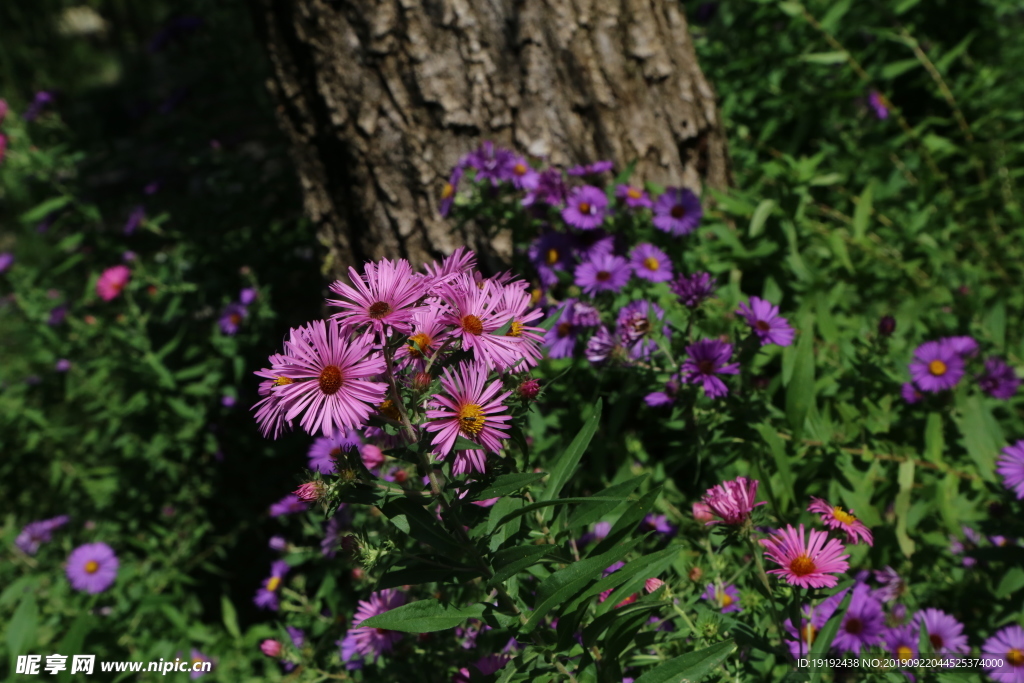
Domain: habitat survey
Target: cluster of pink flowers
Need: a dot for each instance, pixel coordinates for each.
(396, 332)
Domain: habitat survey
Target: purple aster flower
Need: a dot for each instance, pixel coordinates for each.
(92, 567)
(812, 620)
(937, 366)
(36, 533)
(657, 523)
(372, 642)
(1010, 467)
(353, 661)
(550, 189)
(333, 529)
(135, 218)
(603, 273)
(633, 197)
(635, 325)
(677, 211)
(278, 543)
(323, 455)
(768, 325)
(707, 359)
(289, 505)
(231, 318)
(862, 624)
(523, 176)
(450, 189)
(486, 666)
(963, 346)
(6, 259)
(591, 243)
(998, 380)
(206, 664)
(901, 642)
(1008, 645)
(665, 397)
(892, 585)
(560, 340)
(879, 103)
(594, 168)
(63, 365)
(550, 252)
(35, 108)
(266, 595)
(585, 208)
(57, 315)
(491, 163)
(247, 296)
(585, 315)
(726, 598)
(602, 345)
(910, 393)
(650, 263)
(694, 289)
(944, 632)
(599, 532)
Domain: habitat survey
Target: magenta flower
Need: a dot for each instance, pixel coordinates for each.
(605, 272)
(384, 295)
(693, 290)
(516, 301)
(635, 326)
(271, 648)
(834, 517)
(879, 103)
(1010, 467)
(112, 281)
(36, 533)
(367, 642)
(429, 333)
(231, 318)
(1007, 644)
(732, 501)
(323, 455)
(633, 197)
(92, 567)
(650, 263)
(910, 393)
(807, 560)
(325, 378)
(289, 505)
(266, 595)
(963, 346)
(768, 325)
(677, 211)
(707, 359)
(585, 208)
(602, 345)
(937, 366)
(998, 380)
(471, 409)
(6, 259)
(944, 632)
(863, 622)
(725, 598)
(476, 317)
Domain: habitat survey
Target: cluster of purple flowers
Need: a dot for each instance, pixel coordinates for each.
(940, 365)
(234, 313)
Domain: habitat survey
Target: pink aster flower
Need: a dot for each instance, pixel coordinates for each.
(1008, 645)
(460, 261)
(807, 560)
(470, 408)
(585, 208)
(516, 301)
(1010, 467)
(371, 642)
(650, 263)
(325, 378)
(429, 332)
(476, 316)
(834, 517)
(732, 501)
(605, 272)
(702, 513)
(384, 295)
(770, 327)
(112, 281)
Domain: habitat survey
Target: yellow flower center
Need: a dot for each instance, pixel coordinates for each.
(802, 566)
(1015, 657)
(724, 599)
(585, 208)
(330, 380)
(447, 191)
(515, 330)
(808, 633)
(420, 341)
(552, 256)
(92, 566)
(389, 409)
(937, 368)
(843, 516)
(904, 653)
(274, 583)
(281, 381)
(379, 309)
(651, 263)
(634, 193)
(471, 419)
(472, 324)
(519, 169)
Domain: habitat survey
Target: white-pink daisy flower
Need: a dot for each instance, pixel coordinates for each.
(471, 409)
(384, 295)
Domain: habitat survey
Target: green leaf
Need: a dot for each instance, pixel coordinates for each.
(862, 213)
(830, 22)
(626, 524)
(793, 9)
(894, 69)
(934, 441)
(827, 179)
(550, 503)
(836, 57)
(230, 617)
(691, 667)
(423, 616)
(630, 578)
(800, 392)
(414, 520)
(508, 483)
(995, 322)
(566, 464)
(420, 573)
(902, 506)
(588, 513)
(511, 561)
(74, 640)
(41, 211)
(905, 6)
(978, 437)
(778, 451)
(1011, 582)
(761, 213)
(21, 630)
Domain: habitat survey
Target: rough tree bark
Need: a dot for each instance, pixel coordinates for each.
(380, 98)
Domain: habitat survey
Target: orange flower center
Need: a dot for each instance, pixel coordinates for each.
(471, 419)
(235, 318)
(330, 380)
(472, 324)
(678, 211)
(379, 309)
(420, 341)
(634, 193)
(519, 169)
(552, 257)
(937, 368)
(724, 599)
(273, 583)
(904, 653)
(843, 516)
(585, 208)
(808, 633)
(516, 329)
(1015, 657)
(651, 263)
(447, 191)
(802, 566)
(92, 566)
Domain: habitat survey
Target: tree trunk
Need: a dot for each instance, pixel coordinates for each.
(381, 98)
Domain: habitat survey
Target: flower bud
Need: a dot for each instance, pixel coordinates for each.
(309, 492)
(702, 513)
(887, 325)
(695, 574)
(529, 389)
(421, 381)
(271, 648)
(653, 584)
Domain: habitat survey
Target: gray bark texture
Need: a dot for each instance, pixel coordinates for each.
(380, 99)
